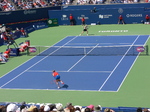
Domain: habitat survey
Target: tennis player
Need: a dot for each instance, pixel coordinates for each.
(85, 29)
(57, 78)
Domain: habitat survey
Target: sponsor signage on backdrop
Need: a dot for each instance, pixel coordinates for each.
(105, 16)
(120, 10)
(40, 25)
(5, 13)
(134, 15)
(64, 17)
(52, 22)
(80, 17)
(29, 12)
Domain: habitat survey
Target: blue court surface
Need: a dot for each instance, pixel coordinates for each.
(82, 72)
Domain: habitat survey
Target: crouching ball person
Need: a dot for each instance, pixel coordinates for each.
(57, 78)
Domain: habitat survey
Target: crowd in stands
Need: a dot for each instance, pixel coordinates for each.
(85, 2)
(29, 4)
(57, 107)
(7, 5)
(12, 5)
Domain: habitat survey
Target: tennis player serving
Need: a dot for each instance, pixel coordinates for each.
(57, 78)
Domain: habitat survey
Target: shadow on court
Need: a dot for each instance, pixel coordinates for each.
(65, 86)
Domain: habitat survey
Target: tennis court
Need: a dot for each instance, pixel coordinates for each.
(80, 72)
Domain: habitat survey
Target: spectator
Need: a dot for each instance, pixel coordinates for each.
(2, 107)
(32, 109)
(145, 110)
(108, 110)
(52, 107)
(59, 107)
(46, 108)
(12, 107)
(78, 108)
(41, 109)
(4, 37)
(94, 10)
(69, 108)
(139, 109)
(23, 32)
(91, 107)
(87, 110)
(97, 108)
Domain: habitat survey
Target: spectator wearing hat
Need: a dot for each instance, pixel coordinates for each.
(97, 108)
(12, 107)
(69, 108)
(46, 108)
(32, 108)
(91, 107)
(59, 107)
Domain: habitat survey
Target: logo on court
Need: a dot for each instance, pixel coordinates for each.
(140, 49)
(32, 49)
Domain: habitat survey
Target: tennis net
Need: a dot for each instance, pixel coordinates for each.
(130, 50)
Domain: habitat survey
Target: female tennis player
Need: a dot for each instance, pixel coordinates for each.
(57, 78)
(85, 29)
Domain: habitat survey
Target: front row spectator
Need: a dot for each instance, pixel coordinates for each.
(108, 110)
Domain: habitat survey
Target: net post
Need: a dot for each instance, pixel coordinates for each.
(28, 51)
(146, 49)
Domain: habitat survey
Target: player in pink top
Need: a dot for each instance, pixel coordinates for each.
(57, 78)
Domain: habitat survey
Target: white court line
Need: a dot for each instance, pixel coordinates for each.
(131, 67)
(97, 43)
(117, 65)
(68, 71)
(52, 89)
(81, 58)
(23, 63)
(32, 65)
